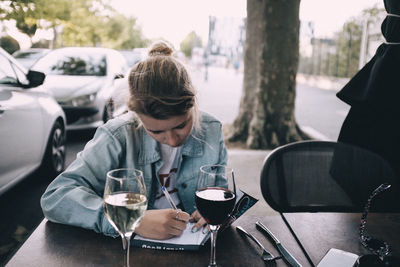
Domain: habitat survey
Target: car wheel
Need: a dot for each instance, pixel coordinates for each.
(108, 110)
(54, 158)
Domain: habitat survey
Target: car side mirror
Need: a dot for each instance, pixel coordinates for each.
(35, 78)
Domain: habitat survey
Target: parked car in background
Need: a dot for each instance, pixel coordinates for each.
(121, 94)
(133, 56)
(120, 97)
(32, 125)
(83, 80)
(28, 57)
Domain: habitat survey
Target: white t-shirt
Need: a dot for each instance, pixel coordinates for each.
(167, 176)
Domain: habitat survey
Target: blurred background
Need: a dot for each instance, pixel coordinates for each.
(336, 37)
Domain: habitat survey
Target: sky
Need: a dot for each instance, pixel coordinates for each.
(174, 19)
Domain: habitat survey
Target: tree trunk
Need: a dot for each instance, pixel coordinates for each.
(266, 116)
(252, 59)
(53, 43)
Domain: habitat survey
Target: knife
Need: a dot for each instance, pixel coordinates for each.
(285, 253)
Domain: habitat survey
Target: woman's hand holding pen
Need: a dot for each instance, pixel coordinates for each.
(162, 224)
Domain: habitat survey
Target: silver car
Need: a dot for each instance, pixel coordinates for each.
(83, 80)
(32, 125)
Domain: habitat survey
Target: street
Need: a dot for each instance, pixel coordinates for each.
(317, 111)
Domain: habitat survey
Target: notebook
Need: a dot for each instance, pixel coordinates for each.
(193, 241)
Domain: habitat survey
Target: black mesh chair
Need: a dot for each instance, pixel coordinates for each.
(323, 176)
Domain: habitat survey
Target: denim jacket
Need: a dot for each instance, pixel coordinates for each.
(75, 197)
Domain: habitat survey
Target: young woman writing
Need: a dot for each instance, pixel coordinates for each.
(163, 135)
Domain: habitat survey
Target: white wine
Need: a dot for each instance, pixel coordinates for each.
(125, 210)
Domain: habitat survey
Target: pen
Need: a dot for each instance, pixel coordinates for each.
(168, 197)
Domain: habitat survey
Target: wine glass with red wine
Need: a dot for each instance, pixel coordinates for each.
(215, 199)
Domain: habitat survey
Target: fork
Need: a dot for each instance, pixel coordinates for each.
(266, 255)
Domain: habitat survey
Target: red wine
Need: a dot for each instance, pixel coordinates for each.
(215, 204)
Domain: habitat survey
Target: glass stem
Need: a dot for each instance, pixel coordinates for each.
(123, 242)
(214, 232)
(126, 245)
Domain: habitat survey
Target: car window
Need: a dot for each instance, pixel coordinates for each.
(82, 64)
(20, 75)
(7, 75)
(28, 58)
(28, 54)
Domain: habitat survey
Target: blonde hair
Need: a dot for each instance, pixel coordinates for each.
(160, 86)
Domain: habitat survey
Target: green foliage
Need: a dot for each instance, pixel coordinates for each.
(41, 44)
(122, 33)
(348, 47)
(82, 22)
(83, 28)
(340, 57)
(29, 13)
(9, 44)
(191, 40)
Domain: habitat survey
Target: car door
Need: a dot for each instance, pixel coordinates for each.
(21, 123)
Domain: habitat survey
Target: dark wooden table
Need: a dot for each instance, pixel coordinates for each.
(61, 245)
(319, 232)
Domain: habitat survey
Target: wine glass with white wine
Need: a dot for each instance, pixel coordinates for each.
(125, 202)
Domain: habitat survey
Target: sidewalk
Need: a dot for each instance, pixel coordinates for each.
(247, 165)
(322, 82)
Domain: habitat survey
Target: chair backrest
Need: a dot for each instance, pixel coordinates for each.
(315, 176)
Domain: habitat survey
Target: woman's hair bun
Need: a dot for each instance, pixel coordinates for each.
(160, 48)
